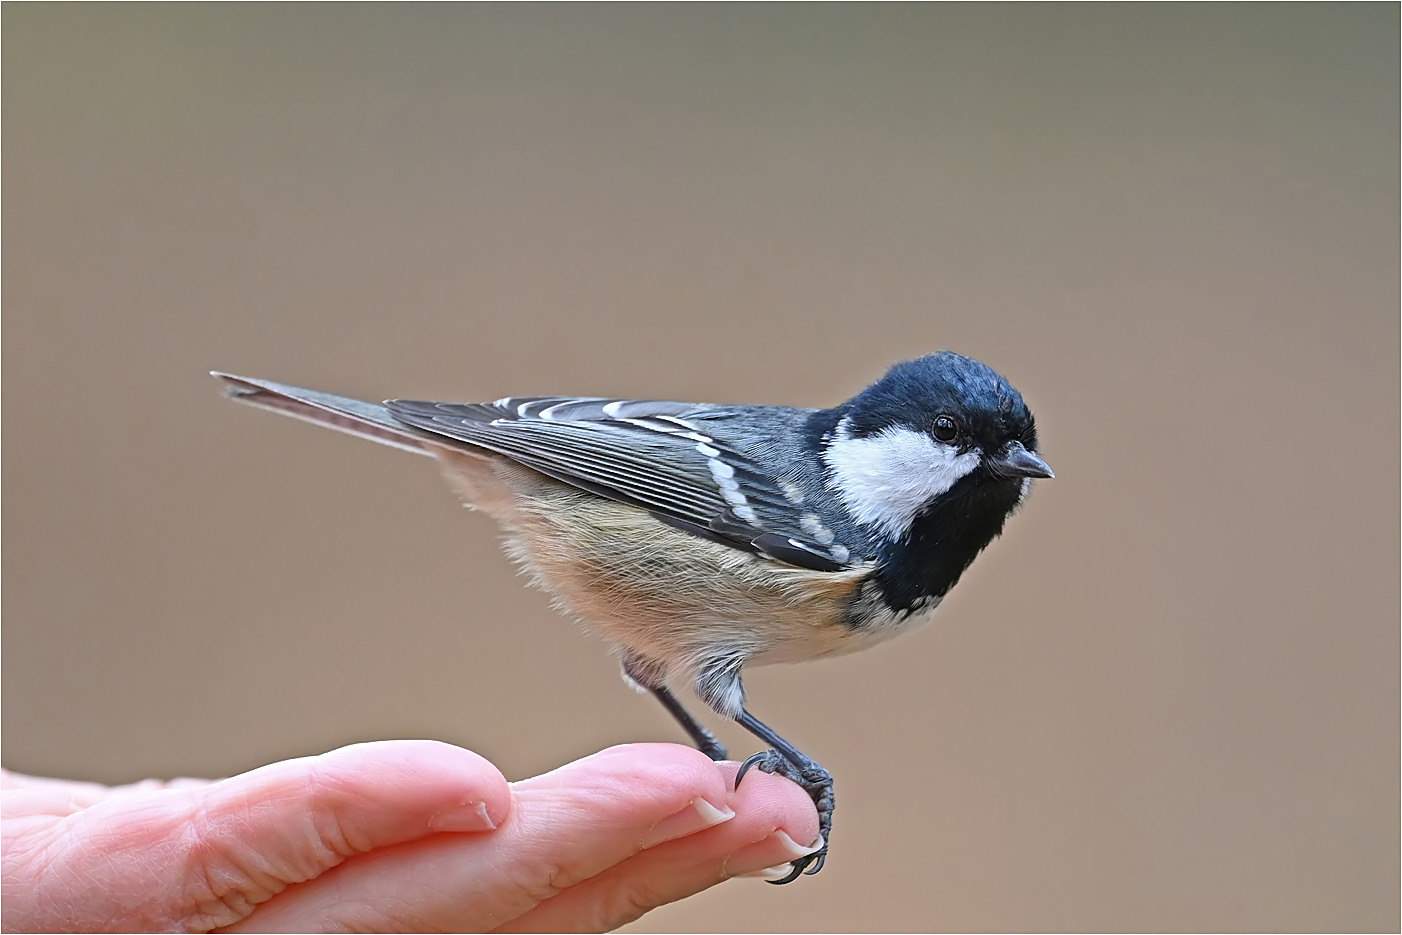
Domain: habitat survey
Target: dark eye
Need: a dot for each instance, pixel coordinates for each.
(946, 429)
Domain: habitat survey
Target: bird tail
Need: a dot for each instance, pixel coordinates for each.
(365, 420)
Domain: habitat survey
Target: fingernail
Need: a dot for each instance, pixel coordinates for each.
(768, 854)
(697, 816)
(768, 873)
(472, 816)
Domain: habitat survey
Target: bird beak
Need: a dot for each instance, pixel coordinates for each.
(1017, 461)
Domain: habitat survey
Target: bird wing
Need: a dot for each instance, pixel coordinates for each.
(652, 454)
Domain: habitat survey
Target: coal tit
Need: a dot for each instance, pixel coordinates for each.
(698, 539)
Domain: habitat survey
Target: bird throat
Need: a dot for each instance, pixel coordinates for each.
(943, 541)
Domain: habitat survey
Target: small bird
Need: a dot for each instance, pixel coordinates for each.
(699, 538)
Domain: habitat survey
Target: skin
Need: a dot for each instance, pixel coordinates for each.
(405, 835)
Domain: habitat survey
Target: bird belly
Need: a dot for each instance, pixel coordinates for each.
(674, 599)
(682, 603)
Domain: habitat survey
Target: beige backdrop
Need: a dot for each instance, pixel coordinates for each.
(1167, 699)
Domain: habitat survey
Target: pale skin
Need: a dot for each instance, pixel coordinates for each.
(406, 835)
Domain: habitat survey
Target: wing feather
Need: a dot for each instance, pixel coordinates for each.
(657, 455)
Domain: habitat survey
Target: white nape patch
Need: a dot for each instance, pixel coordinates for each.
(810, 524)
(886, 479)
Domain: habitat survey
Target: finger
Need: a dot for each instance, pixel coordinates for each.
(36, 795)
(565, 826)
(772, 815)
(369, 795)
(40, 795)
(209, 855)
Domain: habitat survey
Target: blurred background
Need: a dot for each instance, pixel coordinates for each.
(1167, 699)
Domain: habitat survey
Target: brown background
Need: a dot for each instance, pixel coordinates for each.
(1167, 699)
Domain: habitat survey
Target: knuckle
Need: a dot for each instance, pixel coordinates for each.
(627, 903)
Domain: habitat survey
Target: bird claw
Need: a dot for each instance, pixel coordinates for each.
(814, 780)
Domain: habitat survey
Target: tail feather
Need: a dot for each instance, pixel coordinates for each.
(365, 420)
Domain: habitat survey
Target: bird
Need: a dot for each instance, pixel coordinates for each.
(700, 538)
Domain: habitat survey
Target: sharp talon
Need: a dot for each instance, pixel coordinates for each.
(797, 869)
(745, 768)
(819, 859)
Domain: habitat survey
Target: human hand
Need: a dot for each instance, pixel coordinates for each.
(405, 835)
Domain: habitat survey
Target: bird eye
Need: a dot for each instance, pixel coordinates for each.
(946, 429)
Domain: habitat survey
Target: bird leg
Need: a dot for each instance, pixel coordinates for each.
(788, 761)
(705, 741)
(720, 687)
(643, 675)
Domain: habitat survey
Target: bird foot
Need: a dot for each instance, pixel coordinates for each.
(814, 780)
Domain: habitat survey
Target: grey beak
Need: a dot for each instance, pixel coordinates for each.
(1017, 461)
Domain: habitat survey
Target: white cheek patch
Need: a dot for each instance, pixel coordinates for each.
(887, 478)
